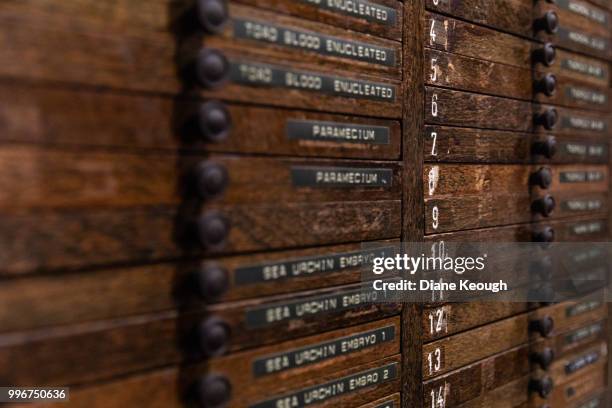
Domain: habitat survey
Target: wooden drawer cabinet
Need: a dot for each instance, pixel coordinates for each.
(192, 190)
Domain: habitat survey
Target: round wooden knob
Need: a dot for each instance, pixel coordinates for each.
(212, 282)
(544, 205)
(549, 22)
(213, 391)
(543, 326)
(547, 118)
(543, 358)
(213, 336)
(212, 15)
(212, 229)
(211, 179)
(542, 178)
(546, 147)
(543, 386)
(214, 121)
(212, 68)
(545, 55)
(546, 85)
(546, 234)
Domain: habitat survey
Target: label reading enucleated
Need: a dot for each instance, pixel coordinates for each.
(582, 205)
(595, 43)
(255, 74)
(584, 10)
(586, 95)
(337, 132)
(323, 392)
(323, 351)
(583, 68)
(305, 176)
(278, 312)
(359, 8)
(583, 361)
(581, 176)
(308, 266)
(310, 41)
(574, 122)
(584, 333)
(578, 149)
(582, 307)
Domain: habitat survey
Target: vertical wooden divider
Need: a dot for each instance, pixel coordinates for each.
(412, 195)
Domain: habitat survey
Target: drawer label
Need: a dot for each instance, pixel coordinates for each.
(584, 333)
(323, 351)
(307, 266)
(270, 314)
(583, 361)
(581, 176)
(574, 122)
(587, 228)
(311, 41)
(578, 149)
(264, 75)
(585, 68)
(595, 43)
(584, 10)
(583, 307)
(389, 404)
(337, 132)
(594, 403)
(582, 205)
(581, 94)
(367, 10)
(304, 176)
(323, 392)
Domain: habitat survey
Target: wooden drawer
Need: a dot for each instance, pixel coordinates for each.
(569, 64)
(270, 35)
(458, 144)
(455, 193)
(480, 384)
(574, 339)
(575, 391)
(174, 387)
(456, 108)
(53, 116)
(475, 75)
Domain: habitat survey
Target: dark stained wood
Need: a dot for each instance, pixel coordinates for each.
(596, 357)
(455, 108)
(577, 32)
(449, 319)
(471, 384)
(576, 229)
(576, 391)
(39, 356)
(229, 40)
(50, 300)
(456, 351)
(513, 16)
(465, 145)
(171, 388)
(412, 208)
(38, 241)
(476, 75)
(59, 116)
(462, 38)
(575, 339)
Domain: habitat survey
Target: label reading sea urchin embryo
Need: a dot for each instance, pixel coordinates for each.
(575, 122)
(311, 41)
(255, 74)
(308, 266)
(337, 132)
(586, 95)
(309, 307)
(583, 68)
(359, 8)
(322, 351)
(305, 176)
(323, 392)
